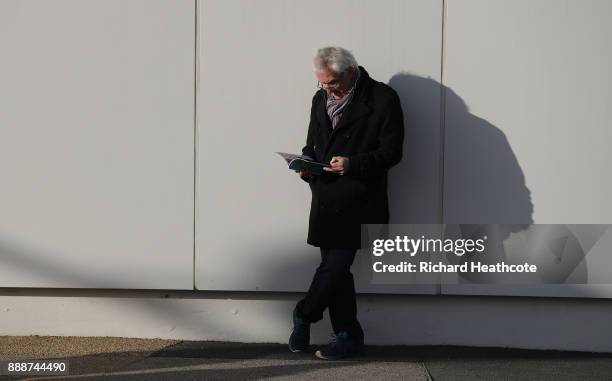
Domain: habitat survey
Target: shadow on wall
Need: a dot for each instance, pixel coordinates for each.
(482, 180)
(464, 174)
(414, 184)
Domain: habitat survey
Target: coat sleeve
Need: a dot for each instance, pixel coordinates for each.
(308, 149)
(389, 151)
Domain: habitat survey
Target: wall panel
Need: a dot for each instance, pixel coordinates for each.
(527, 127)
(97, 143)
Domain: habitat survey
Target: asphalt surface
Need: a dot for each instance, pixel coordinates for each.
(108, 358)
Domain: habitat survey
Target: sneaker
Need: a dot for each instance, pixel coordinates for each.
(300, 336)
(340, 346)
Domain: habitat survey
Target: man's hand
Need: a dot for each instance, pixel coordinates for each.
(338, 164)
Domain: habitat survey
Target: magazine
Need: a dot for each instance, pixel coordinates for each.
(303, 163)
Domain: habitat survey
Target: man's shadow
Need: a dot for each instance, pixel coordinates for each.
(463, 173)
(457, 168)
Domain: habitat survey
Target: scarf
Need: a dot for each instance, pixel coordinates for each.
(336, 106)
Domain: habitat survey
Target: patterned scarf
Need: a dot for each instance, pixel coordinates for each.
(336, 106)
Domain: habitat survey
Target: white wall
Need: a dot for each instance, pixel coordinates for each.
(534, 139)
(527, 126)
(96, 144)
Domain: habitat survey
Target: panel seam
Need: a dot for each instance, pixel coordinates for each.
(442, 120)
(196, 78)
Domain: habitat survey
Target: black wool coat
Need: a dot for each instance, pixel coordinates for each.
(371, 134)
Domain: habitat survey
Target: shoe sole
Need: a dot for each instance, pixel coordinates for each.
(331, 358)
(320, 355)
(296, 350)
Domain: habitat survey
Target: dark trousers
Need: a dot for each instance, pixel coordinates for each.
(333, 287)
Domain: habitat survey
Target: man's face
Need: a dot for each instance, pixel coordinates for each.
(334, 83)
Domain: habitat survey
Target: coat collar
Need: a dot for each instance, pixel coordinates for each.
(356, 109)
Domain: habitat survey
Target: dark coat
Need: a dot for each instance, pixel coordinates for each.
(371, 134)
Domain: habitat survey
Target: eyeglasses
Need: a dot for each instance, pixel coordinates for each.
(331, 85)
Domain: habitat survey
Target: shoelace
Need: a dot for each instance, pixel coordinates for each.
(335, 339)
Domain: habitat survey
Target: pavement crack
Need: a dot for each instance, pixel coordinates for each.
(427, 373)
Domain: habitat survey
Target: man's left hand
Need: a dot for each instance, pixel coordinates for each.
(338, 164)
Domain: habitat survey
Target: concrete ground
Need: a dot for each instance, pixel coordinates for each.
(108, 358)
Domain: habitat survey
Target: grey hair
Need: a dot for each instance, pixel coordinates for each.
(335, 58)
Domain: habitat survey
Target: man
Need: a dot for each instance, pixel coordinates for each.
(356, 125)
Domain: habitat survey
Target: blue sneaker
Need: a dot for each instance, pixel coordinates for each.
(340, 346)
(300, 336)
